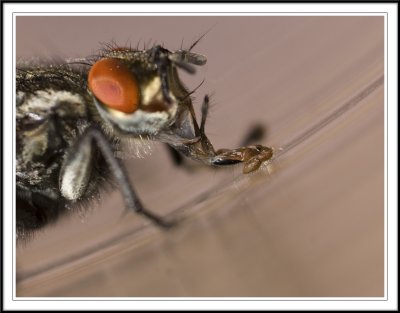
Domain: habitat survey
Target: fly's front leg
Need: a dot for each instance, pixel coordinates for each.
(252, 157)
(206, 144)
(199, 147)
(76, 173)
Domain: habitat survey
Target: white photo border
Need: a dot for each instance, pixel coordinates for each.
(389, 10)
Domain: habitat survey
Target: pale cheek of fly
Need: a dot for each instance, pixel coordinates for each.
(152, 92)
(140, 122)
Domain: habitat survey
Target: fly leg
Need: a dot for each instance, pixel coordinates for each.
(206, 144)
(201, 149)
(252, 156)
(77, 164)
(206, 147)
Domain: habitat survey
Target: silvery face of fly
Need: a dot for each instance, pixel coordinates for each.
(70, 119)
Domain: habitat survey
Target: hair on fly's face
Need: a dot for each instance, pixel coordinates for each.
(73, 117)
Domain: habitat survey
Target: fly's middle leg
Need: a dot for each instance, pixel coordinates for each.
(77, 166)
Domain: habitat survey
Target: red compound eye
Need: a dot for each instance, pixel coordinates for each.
(114, 85)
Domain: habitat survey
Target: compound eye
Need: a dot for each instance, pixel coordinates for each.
(111, 81)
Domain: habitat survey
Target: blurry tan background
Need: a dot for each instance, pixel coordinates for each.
(309, 225)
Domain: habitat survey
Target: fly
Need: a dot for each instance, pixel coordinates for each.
(71, 120)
